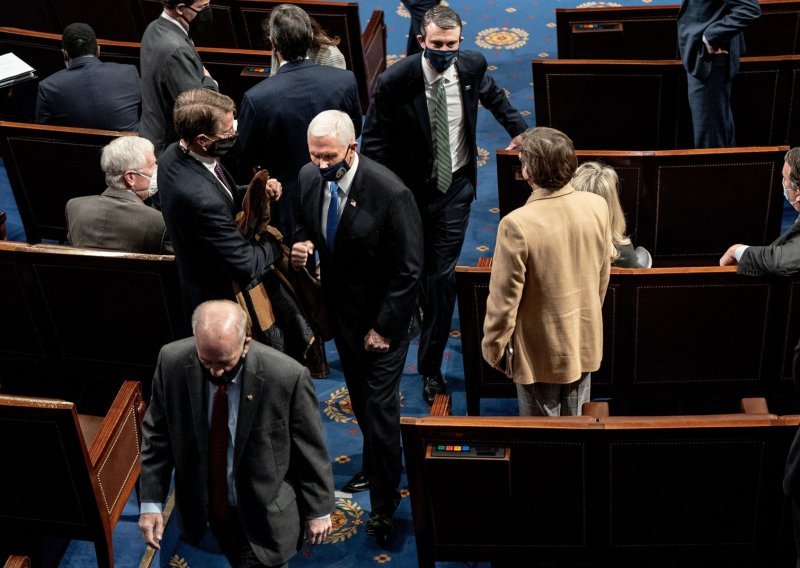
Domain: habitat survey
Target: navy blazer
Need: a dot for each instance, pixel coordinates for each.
(274, 119)
(371, 278)
(91, 94)
(210, 252)
(397, 131)
(722, 22)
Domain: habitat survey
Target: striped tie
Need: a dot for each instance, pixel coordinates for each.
(444, 165)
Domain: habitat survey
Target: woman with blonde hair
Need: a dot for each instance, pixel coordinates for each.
(602, 180)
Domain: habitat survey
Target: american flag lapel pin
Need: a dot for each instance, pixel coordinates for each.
(249, 397)
(353, 203)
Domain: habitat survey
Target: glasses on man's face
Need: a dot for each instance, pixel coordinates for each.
(785, 189)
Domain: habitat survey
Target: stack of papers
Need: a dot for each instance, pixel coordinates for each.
(14, 70)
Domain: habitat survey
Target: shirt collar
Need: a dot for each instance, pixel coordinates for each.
(174, 21)
(205, 160)
(347, 179)
(431, 76)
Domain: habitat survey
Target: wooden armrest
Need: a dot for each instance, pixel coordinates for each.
(595, 409)
(17, 562)
(442, 405)
(754, 405)
(90, 426)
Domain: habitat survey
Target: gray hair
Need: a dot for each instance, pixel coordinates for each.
(123, 154)
(333, 122)
(442, 17)
(220, 312)
(793, 159)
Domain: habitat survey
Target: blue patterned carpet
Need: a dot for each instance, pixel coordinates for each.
(509, 33)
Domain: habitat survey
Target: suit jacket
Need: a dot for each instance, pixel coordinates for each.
(281, 468)
(274, 118)
(549, 277)
(780, 258)
(116, 220)
(371, 278)
(722, 22)
(397, 131)
(210, 252)
(91, 94)
(170, 65)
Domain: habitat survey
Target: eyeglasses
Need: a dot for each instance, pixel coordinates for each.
(790, 188)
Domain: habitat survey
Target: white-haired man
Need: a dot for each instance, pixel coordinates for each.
(364, 223)
(118, 219)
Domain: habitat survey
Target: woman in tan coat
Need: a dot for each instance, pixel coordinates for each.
(551, 266)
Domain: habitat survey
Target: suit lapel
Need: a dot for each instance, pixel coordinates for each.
(355, 199)
(469, 95)
(416, 80)
(316, 201)
(249, 402)
(202, 170)
(197, 391)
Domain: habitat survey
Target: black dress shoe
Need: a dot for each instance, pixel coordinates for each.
(358, 482)
(431, 386)
(380, 526)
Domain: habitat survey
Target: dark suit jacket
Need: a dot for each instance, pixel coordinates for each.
(210, 251)
(371, 278)
(274, 118)
(280, 465)
(170, 65)
(91, 94)
(397, 131)
(780, 258)
(722, 22)
(116, 220)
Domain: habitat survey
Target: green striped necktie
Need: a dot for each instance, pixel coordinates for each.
(444, 165)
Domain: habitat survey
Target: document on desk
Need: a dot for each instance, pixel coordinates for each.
(14, 70)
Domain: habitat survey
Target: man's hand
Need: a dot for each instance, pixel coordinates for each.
(715, 50)
(274, 189)
(516, 142)
(729, 258)
(317, 530)
(206, 73)
(152, 527)
(375, 342)
(300, 252)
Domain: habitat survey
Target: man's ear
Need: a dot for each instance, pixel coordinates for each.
(421, 41)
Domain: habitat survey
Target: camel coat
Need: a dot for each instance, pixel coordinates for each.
(549, 277)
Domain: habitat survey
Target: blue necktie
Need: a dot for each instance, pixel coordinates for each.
(333, 215)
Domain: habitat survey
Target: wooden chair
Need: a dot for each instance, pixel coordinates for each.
(685, 206)
(68, 475)
(17, 562)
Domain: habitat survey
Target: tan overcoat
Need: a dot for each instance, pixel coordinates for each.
(549, 277)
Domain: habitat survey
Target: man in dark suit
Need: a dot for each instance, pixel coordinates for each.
(710, 41)
(782, 256)
(363, 222)
(277, 109)
(239, 424)
(200, 200)
(438, 164)
(118, 219)
(89, 93)
(170, 65)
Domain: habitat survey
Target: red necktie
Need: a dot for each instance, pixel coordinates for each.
(218, 457)
(221, 175)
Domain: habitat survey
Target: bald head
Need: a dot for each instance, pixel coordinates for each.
(220, 331)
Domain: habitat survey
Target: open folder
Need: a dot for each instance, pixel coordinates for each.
(14, 70)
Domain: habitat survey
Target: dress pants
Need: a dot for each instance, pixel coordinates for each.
(444, 224)
(373, 381)
(234, 545)
(710, 105)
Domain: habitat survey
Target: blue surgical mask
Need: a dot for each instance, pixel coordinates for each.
(439, 59)
(336, 171)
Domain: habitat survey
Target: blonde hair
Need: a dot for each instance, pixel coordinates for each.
(603, 181)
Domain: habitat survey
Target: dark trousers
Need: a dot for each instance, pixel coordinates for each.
(710, 104)
(373, 380)
(417, 9)
(234, 545)
(444, 223)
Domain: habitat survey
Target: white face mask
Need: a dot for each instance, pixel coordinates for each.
(786, 194)
(152, 189)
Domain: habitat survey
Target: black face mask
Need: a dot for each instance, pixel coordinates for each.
(202, 21)
(227, 376)
(219, 148)
(336, 171)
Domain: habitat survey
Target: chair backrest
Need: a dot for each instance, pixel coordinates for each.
(642, 105)
(705, 489)
(651, 32)
(685, 206)
(666, 336)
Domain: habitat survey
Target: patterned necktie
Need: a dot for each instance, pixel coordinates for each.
(221, 175)
(218, 457)
(444, 165)
(333, 215)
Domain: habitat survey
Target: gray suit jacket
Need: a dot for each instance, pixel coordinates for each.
(116, 220)
(170, 65)
(722, 22)
(280, 465)
(780, 258)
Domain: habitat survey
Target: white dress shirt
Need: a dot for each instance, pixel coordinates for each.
(455, 110)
